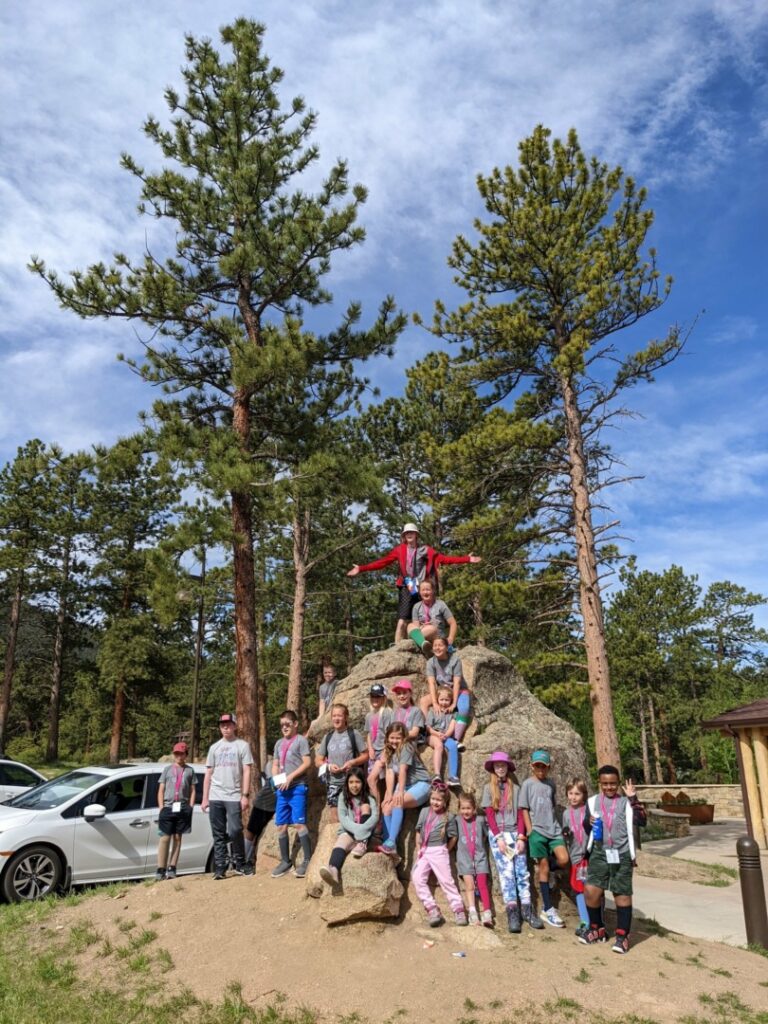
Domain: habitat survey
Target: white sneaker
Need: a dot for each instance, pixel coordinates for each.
(329, 875)
(473, 916)
(552, 917)
(487, 918)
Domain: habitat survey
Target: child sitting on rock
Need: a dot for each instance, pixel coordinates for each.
(406, 711)
(432, 845)
(376, 722)
(431, 617)
(407, 784)
(358, 813)
(444, 669)
(470, 830)
(440, 729)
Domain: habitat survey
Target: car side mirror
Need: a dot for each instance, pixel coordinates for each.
(94, 811)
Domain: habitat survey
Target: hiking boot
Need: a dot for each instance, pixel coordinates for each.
(159, 875)
(582, 930)
(514, 923)
(593, 935)
(460, 918)
(301, 869)
(473, 916)
(486, 918)
(434, 917)
(170, 872)
(360, 849)
(329, 875)
(454, 782)
(282, 869)
(552, 917)
(621, 943)
(530, 918)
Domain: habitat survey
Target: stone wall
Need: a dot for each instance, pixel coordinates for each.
(727, 799)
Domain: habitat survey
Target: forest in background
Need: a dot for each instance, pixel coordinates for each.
(140, 582)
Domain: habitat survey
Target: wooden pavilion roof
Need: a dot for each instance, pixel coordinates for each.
(752, 715)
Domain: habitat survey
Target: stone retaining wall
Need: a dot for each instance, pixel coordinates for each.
(727, 799)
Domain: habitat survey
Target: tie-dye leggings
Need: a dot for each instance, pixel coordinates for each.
(514, 879)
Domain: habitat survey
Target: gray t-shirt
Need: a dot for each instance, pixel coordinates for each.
(227, 758)
(444, 672)
(506, 816)
(439, 720)
(437, 614)
(376, 723)
(416, 770)
(471, 856)
(185, 777)
(538, 798)
(289, 754)
(337, 749)
(614, 814)
(573, 820)
(326, 692)
(409, 716)
(438, 827)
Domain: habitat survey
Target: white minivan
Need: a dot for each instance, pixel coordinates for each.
(91, 825)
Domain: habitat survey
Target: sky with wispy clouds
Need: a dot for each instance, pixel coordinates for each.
(419, 97)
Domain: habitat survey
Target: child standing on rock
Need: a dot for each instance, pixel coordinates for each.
(507, 841)
(470, 831)
(432, 845)
(376, 722)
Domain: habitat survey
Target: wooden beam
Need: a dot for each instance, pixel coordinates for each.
(750, 784)
(760, 744)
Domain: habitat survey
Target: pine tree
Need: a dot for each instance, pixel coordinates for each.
(557, 270)
(226, 310)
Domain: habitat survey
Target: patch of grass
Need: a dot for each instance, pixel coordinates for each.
(107, 949)
(715, 883)
(125, 926)
(470, 1004)
(82, 935)
(496, 1004)
(668, 956)
(722, 972)
(583, 976)
(165, 960)
(717, 869)
(652, 927)
(155, 915)
(696, 961)
(52, 970)
(139, 964)
(753, 947)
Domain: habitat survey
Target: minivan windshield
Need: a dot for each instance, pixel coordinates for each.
(56, 792)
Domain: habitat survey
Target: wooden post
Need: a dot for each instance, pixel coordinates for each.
(750, 785)
(760, 743)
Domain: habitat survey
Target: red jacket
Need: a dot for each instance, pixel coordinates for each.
(398, 554)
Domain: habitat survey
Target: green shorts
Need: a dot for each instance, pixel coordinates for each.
(616, 878)
(540, 846)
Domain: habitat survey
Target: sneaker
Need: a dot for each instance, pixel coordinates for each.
(582, 930)
(391, 852)
(436, 778)
(454, 782)
(621, 943)
(460, 918)
(426, 648)
(243, 869)
(473, 916)
(552, 917)
(159, 875)
(530, 918)
(301, 869)
(593, 935)
(360, 849)
(219, 876)
(170, 873)
(486, 918)
(460, 747)
(434, 917)
(514, 922)
(282, 869)
(329, 875)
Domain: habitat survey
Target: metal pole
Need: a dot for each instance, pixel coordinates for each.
(752, 891)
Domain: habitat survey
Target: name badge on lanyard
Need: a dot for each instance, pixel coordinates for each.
(612, 855)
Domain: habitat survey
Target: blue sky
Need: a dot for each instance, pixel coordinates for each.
(419, 97)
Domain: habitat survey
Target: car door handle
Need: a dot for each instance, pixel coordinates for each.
(139, 823)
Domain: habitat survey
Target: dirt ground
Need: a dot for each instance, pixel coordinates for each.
(266, 934)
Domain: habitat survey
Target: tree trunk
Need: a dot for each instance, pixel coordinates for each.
(301, 534)
(606, 739)
(10, 659)
(644, 739)
(118, 722)
(246, 671)
(261, 687)
(57, 669)
(349, 625)
(194, 732)
(671, 772)
(655, 742)
(133, 742)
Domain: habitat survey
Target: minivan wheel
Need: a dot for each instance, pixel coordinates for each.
(32, 874)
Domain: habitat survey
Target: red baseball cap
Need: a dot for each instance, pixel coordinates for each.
(181, 748)
(227, 720)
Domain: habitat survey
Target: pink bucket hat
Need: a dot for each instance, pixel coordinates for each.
(499, 757)
(402, 684)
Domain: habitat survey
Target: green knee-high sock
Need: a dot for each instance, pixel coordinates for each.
(417, 636)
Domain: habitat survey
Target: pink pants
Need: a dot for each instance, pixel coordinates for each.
(435, 859)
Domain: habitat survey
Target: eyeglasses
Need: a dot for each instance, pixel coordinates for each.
(439, 786)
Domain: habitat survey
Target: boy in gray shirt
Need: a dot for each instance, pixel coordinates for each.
(545, 835)
(289, 772)
(225, 796)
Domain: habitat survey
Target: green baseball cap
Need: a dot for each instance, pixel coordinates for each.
(540, 757)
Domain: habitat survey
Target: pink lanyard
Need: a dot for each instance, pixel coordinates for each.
(503, 801)
(607, 822)
(425, 612)
(427, 830)
(375, 726)
(285, 751)
(470, 841)
(578, 830)
(357, 811)
(177, 784)
(403, 711)
(410, 561)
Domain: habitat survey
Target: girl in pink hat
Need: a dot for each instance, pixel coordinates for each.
(507, 840)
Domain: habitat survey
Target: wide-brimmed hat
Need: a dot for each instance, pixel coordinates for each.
(402, 684)
(499, 757)
(409, 528)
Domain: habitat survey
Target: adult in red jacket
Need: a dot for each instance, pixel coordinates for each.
(416, 562)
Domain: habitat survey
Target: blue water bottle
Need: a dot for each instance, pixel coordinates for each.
(597, 830)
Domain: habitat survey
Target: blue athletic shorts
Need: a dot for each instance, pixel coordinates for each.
(420, 792)
(291, 806)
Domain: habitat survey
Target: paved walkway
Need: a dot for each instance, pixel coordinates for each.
(701, 911)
